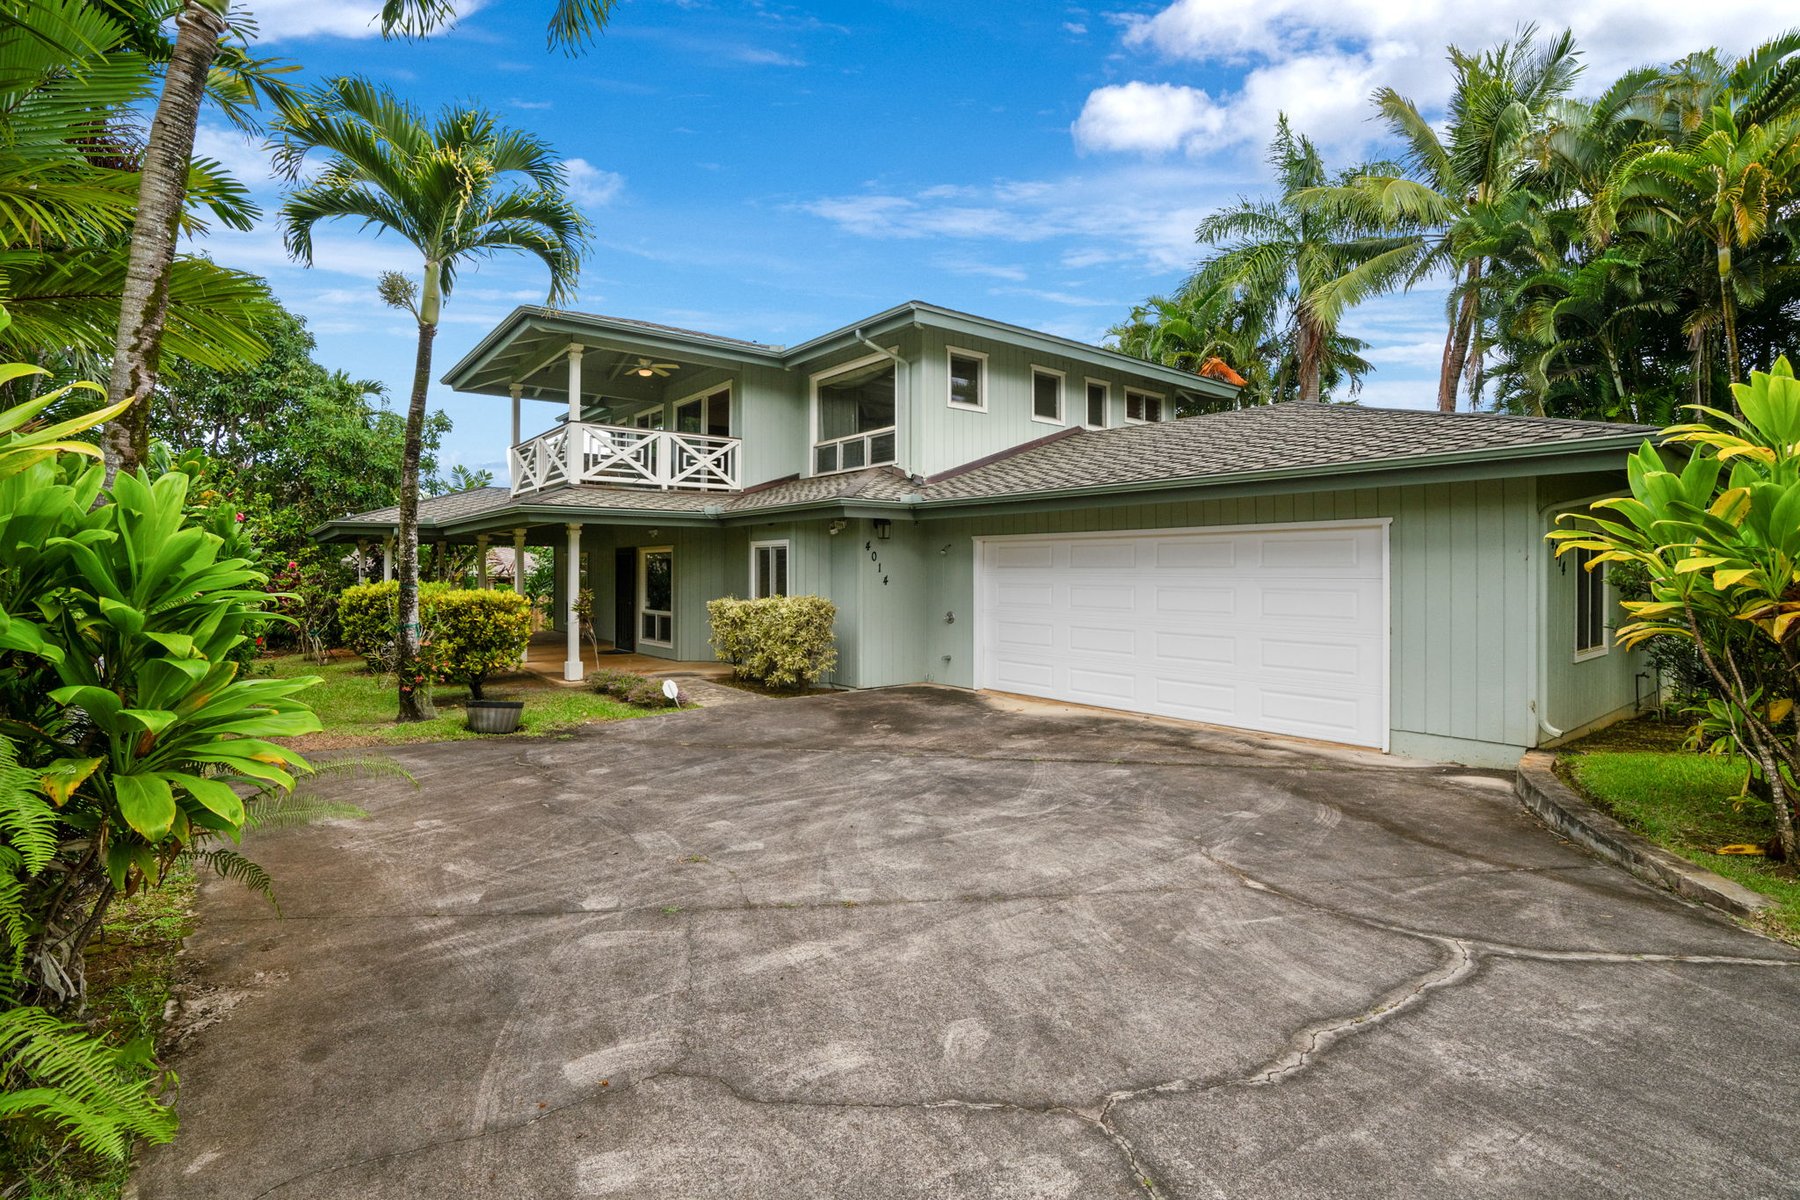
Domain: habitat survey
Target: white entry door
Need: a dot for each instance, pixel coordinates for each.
(1282, 629)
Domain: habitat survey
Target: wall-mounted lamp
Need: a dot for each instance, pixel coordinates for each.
(884, 529)
(654, 534)
(836, 527)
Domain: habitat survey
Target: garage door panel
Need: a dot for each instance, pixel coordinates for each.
(1281, 630)
(1107, 597)
(1102, 639)
(1214, 554)
(1103, 555)
(1111, 688)
(1198, 601)
(1195, 648)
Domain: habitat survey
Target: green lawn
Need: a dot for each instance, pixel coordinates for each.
(357, 708)
(1688, 803)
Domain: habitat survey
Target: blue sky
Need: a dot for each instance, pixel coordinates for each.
(771, 171)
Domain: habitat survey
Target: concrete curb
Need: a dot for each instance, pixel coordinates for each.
(1543, 793)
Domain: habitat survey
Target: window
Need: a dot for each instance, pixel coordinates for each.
(656, 597)
(855, 414)
(1046, 395)
(768, 569)
(1590, 606)
(1143, 406)
(652, 419)
(709, 414)
(1098, 393)
(968, 379)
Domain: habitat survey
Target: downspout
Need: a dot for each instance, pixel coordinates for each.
(1540, 702)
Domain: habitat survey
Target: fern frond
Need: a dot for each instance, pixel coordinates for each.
(232, 865)
(93, 1092)
(28, 821)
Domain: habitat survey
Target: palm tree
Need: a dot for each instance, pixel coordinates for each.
(201, 28)
(1725, 182)
(445, 185)
(1498, 97)
(1309, 263)
(68, 187)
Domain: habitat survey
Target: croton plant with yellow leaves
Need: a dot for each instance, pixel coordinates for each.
(1716, 528)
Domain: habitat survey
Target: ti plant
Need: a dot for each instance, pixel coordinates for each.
(1719, 538)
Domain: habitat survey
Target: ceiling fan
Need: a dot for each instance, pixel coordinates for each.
(646, 368)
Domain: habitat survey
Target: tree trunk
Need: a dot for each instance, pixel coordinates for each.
(1728, 308)
(415, 686)
(1311, 353)
(1456, 348)
(162, 194)
(1477, 364)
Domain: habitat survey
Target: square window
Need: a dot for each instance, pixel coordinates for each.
(1046, 395)
(1142, 406)
(968, 380)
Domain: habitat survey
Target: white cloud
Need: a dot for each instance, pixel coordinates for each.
(1142, 215)
(1148, 117)
(591, 187)
(244, 157)
(756, 56)
(1318, 61)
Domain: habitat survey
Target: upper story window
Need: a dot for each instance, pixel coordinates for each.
(650, 419)
(1046, 395)
(968, 379)
(709, 414)
(1143, 406)
(1099, 394)
(855, 412)
(1590, 606)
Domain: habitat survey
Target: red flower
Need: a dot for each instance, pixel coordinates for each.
(292, 564)
(240, 518)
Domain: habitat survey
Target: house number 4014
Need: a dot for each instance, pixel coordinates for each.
(875, 557)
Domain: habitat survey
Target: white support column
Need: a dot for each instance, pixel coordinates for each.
(574, 382)
(481, 547)
(517, 388)
(387, 560)
(362, 560)
(519, 579)
(574, 669)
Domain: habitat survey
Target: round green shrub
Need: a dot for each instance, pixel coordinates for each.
(478, 632)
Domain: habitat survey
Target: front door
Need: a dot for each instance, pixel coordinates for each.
(656, 597)
(625, 599)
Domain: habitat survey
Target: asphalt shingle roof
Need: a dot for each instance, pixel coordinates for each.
(1278, 437)
(1266, 438)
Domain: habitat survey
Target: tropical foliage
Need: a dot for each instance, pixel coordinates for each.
(1609, 257)
(127, 740)
(458, 187)
(1717, 536)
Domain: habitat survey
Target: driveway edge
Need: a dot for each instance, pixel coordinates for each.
(1557, 806)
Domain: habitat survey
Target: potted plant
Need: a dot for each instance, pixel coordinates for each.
(480, 633)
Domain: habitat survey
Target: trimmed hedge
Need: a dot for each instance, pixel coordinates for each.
(466, 634)
(783, 642)
(479, 632)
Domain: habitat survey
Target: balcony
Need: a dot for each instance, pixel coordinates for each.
(615, 456)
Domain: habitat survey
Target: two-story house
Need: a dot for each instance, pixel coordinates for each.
(994, 507)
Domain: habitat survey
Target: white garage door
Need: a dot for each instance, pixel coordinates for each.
(1276, 628)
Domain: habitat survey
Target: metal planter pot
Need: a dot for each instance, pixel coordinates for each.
(495, 716)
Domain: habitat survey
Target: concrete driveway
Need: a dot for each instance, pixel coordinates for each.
(915, 943)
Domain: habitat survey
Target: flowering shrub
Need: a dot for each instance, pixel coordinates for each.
(781, 642)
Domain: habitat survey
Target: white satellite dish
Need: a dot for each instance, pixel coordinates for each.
(671, 690)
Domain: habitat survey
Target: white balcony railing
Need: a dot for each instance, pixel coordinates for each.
(619, 456)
